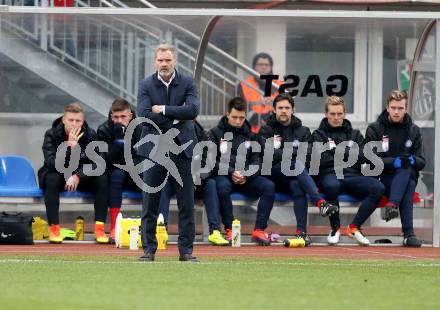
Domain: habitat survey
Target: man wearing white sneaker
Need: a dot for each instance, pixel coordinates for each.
(333, 130)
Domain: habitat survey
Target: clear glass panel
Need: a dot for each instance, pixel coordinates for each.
(326, 51)
(319, 53)
(423, 112)
(399, 43)
(428, 51)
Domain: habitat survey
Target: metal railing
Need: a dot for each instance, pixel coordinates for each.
(111, 52)
(117, 53)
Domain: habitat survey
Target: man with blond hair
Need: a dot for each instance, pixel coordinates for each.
(73, 129)
(170, 100)
(403, 158)
(333, 130)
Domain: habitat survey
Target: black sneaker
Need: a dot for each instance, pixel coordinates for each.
(326, 209)
(188, 258)
(390, 213)
(305, 236)
(147, 257)
(411, 241)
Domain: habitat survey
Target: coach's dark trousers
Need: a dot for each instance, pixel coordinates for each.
(153, 177)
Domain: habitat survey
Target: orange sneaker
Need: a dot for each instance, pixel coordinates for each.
(260, 237)
(100, 235)
(355, 233)
(54, 234)
(228, 235)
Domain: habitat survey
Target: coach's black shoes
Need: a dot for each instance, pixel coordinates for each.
(147, 257)
(390, 212)
(326, 208)
(188, 258)
(411, 241)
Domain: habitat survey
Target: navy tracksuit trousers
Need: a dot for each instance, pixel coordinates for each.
(301, 187)
(367, 188)
(400, 187)
(258, 187)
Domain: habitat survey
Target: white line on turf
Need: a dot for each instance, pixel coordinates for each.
(226, 262)
(381, 253)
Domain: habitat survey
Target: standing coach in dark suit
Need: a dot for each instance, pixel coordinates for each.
(170, 100)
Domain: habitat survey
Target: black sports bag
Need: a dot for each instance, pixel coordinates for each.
(15, 228)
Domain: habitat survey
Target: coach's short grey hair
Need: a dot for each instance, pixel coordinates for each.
(165, 47)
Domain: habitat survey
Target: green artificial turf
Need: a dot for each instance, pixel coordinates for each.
(216, 283)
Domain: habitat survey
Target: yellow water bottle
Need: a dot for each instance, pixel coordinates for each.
(161, 233)
(295, 243)
(79, 228)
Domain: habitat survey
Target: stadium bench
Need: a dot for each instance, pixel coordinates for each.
(18, 185)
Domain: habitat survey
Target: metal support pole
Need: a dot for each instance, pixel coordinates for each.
(436, 215)
(201, 51)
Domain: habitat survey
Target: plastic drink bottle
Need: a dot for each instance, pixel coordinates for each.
(134, 235)
(79, 228)
(236, 233)
(295, 243)
(161, 233)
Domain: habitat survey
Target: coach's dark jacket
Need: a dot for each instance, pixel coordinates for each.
(294, 132)
(404, 139)
(325, 133)
(240, 135)
(115, 154)
(202, 135)
(182, 104)
(53, 138)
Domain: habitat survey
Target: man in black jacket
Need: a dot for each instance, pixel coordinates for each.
(205, 189)
(71, 128)
(333, 130)
(235, 155)
(112, 132)
(403, 158)
(170, 100)
(284, 128)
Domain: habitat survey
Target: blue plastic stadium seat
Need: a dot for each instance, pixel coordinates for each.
(348, 198)
(283, 197)
(77, 194)
(17, 178)
(238, 196)
(132, 195)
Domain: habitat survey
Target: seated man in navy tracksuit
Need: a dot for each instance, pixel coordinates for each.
(333, 130)
(112, 131)
(403, 158)
(284, 128)
(207, 190)
(232, 131)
